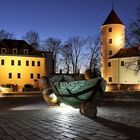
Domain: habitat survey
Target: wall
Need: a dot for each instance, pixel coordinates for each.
(23, 69)
(129, 75)
(117, 35)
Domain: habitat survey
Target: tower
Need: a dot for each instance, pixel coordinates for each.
(112, 40)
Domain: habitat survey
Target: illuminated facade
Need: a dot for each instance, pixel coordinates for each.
(115, 57)
(21, 64)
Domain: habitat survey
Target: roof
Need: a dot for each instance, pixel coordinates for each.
(20, 45)
(127, 52)
(112, 19)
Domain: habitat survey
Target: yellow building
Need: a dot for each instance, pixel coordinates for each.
(21, 64)
(116, 59)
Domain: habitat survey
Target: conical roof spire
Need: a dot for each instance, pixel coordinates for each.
(112, 18)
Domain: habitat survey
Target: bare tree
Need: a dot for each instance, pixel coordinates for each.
(53, 45)
(133, 35)
(133, 40)
(66, 56)
(133, 64)
(6, 35)
(93, 43)
(75, 45)
(32, 38)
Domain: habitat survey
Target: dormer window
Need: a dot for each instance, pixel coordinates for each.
(14, 51)
(25, 51)
(3, 50)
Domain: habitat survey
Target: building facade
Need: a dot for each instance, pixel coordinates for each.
(21, 64)
(119, 64)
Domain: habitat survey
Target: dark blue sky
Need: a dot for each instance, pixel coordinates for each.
(61, 18)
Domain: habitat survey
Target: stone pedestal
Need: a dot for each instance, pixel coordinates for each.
(88, 109)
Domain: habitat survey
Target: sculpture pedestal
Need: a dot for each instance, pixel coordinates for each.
(88, 109)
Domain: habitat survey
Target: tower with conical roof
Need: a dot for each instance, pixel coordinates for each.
(112, 40)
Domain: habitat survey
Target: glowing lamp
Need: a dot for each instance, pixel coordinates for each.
(50, 99)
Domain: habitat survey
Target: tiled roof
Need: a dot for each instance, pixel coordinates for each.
(127, 52)
(20, 45)
(112, 19)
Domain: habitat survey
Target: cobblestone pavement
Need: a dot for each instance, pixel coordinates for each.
(40, 122)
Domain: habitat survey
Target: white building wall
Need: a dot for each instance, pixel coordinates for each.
(123, 74)
(129, 75)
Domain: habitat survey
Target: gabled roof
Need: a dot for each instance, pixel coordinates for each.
(127, 52)
(12, 43)
(20, 45)
(112, 19)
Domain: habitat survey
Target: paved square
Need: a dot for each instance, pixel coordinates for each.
(37, 122)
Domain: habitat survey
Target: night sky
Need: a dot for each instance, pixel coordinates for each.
(61, 18)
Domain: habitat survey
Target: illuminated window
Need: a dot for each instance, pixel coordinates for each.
(110, 30)
(14, 51)
(109, 64)
(38, 63)
(27, 63)
(12, 62)
(2, 62)
(32, 76)
(18, 75)
(25, 51)
(19, 62)
(110, 41)
(3, 50)
(110, 79)
(110, 52)
(122, 63)
(38, 76)
(33, 63)
(10, 75)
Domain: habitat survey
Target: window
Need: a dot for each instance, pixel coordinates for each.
(33, 63)
(38, 76)
(122, 63)
(2, 62)
(110, 29)
(110, 52)
(19, 62)
(27, 63)
(25, 51)
(110, 79)
(3, 50)
(12, 62)
(14, 51)
(10, 75)
(18, 75)
(110, 41)
(109, 64)
(32, 76)
(38, 63)
(138, 62)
